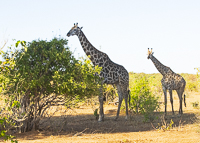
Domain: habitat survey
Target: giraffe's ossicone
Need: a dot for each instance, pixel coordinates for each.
(111, 73)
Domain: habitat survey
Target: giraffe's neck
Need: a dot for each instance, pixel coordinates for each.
(89, 49)
(160, 67)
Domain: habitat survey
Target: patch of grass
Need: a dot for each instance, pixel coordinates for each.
(164, 126)
(195, 104)
(96, 114)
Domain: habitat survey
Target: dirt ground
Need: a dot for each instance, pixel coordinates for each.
(80, 125)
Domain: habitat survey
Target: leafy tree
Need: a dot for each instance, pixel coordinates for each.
(5, 123)
(45, 74)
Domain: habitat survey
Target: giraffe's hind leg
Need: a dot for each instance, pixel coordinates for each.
(122, 92)
(126, 101)
(119, 90)
(180, 94)
(171, 100)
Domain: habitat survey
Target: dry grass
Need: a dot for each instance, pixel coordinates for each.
(80, 125)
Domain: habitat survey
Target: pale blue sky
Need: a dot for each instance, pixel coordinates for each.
(123, 29)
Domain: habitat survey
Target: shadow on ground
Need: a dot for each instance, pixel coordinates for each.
(75, 125)
(89, 124)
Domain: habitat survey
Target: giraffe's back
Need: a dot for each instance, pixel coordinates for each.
(173, 81)
(115, 73)
(111, 72)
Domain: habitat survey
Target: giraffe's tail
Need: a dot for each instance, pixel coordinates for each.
(129, 98)
(184, 101)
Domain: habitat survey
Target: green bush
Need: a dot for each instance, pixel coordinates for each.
(142, 99)
(45, 74)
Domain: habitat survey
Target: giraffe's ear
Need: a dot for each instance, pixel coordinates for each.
(81, 28)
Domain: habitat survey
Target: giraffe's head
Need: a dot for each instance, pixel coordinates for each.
(150, 54)
(75, 30)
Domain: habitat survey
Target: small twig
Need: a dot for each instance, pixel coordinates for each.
(153, 126)
(79, 133)
(111, 131)
(95, 131)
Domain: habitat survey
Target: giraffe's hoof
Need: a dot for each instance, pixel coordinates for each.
(100, 120)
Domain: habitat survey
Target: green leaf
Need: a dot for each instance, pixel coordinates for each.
(3, 133)
(17, 43)
(23, 43)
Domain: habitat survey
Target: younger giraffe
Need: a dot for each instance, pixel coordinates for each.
(170, 81)
(111, 73)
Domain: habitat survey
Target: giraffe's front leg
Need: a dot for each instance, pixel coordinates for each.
(101, 114)
(171, 100)
(165, 98)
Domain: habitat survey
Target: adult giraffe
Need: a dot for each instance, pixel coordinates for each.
(170, 81)
(111, 73)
